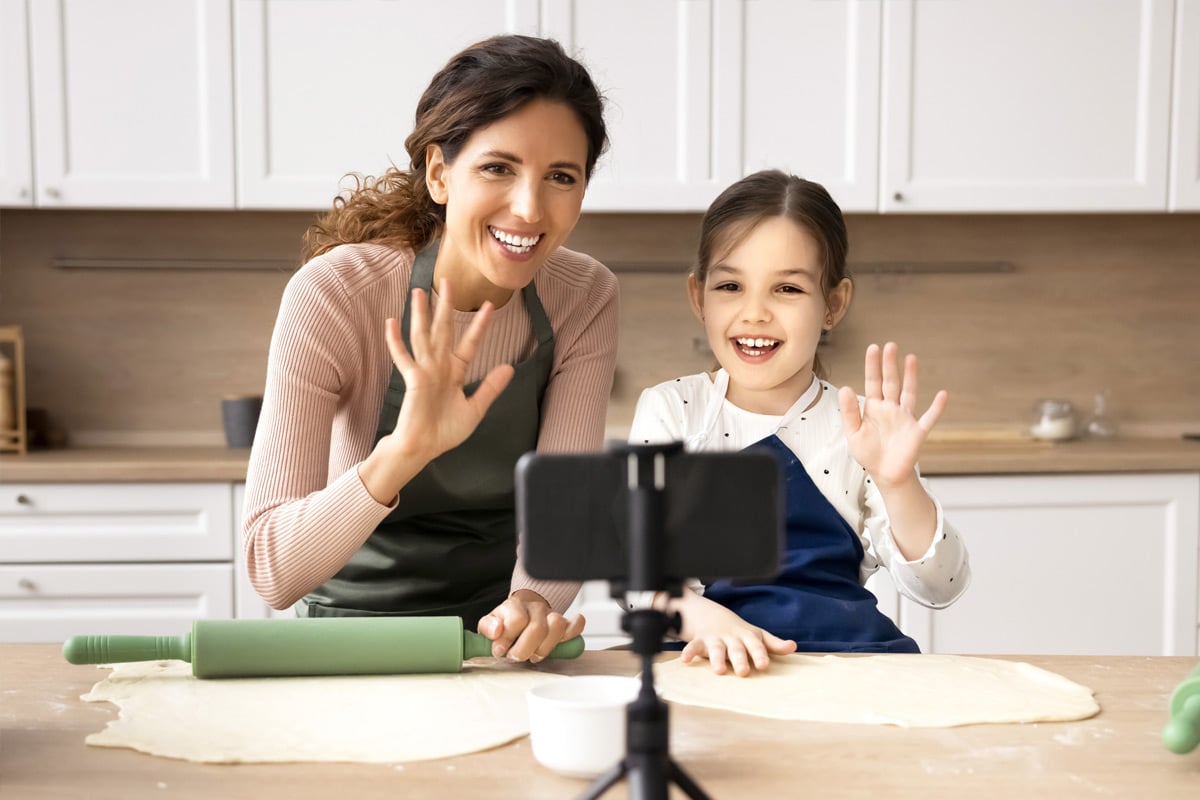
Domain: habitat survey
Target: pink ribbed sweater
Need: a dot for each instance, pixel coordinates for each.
(306, 509)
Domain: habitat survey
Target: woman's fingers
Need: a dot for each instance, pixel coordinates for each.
(395, 344)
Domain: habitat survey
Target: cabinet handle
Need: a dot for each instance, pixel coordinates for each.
(24, 500)
(898, 197)
(23, 193)
(53, 192)
(26, 584)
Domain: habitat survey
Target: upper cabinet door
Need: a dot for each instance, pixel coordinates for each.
(671, 123)
(132, 103)
(327, 89)
(1025, 105)
(16, 154)
(1185, 143)
(810, 91)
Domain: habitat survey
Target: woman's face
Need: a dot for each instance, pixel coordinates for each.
(512, 196)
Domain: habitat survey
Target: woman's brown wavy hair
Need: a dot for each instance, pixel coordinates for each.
(482, 84)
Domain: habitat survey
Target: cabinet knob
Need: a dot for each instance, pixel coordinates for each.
(26, 584)
(23, 193)
(53, 192)
(24, 500)
(898, 197)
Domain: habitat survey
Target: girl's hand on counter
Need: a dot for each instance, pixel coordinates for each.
(716, 633)
(525, 628)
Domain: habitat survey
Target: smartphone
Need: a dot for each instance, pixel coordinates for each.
(721, 514)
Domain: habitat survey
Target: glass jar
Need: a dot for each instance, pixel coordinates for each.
(1053, 419)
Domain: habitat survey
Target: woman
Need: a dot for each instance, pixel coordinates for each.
(381, 478)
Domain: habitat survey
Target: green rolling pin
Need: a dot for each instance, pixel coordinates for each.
(253, 648)
(1182, 733)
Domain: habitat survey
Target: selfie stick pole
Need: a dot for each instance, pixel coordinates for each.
(647, 765)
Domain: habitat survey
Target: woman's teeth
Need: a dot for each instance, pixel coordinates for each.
(515, 244)
(756, 346)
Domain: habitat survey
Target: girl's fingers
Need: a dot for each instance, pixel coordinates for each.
(908, 391)
(757, 650)
(891, 373)
(780, 647)
(851, 415)
(873, 380)
(930, 417)
(716, 656)
(739, 659)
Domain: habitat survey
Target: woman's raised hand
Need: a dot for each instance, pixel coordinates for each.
(436, 414)
(886, 436)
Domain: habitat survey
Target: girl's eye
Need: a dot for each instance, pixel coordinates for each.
(565, 178)
(791, 290)
(725, 287)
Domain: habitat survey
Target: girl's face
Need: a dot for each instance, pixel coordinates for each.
(763, 309)
(512, 196)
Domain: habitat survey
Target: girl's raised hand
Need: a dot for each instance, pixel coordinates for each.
(436, 414)
(886, 436)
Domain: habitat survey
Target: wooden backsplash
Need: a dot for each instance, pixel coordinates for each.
(1090, 302)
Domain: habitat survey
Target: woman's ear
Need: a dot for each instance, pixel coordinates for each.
(435, 174)
(839, 303)
(696, 296)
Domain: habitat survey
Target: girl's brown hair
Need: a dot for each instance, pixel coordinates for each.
(480, 85)
(772, 193)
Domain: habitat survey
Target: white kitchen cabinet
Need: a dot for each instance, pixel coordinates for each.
(113, 558)
(808, 87)
(1185, 112)
(1025, 105)
(330, 87)
(16, 153)
(1070, 565)
(132, 103)
(671, 91)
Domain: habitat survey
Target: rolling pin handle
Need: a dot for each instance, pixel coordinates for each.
(117, 649)
(1182, 733)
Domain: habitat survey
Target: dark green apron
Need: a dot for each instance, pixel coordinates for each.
(449, 547)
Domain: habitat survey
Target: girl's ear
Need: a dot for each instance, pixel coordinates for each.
(696, 296)
(435, 174)
(839, 303)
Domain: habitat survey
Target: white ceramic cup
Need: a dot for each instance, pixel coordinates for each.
(577, 725)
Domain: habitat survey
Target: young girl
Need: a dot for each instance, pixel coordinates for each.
(770, 278)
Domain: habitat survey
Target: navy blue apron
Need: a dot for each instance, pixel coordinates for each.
(817, 599)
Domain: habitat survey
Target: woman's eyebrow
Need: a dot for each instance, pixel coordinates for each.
(504, 155)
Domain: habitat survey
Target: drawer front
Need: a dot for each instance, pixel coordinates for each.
(116, 522)
(40, 603)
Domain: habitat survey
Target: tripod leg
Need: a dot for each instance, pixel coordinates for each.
(604, 781)
(685, 782)
(647, 776)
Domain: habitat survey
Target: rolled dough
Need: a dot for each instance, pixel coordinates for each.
(378, 718)
(912, 691)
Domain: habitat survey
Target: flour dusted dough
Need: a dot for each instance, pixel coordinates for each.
(378, 718)
(913, 691)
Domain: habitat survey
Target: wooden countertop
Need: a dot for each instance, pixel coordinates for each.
(955, 456)
(1118, 753)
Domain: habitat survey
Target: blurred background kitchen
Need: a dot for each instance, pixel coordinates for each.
(1021, 180)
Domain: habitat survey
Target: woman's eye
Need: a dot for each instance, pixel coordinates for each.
(494, 169)
(565, 178)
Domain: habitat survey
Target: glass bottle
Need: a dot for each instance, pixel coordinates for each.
(1102, 424)
(1053, 419)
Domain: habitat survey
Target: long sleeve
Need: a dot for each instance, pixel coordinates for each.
(575, 405)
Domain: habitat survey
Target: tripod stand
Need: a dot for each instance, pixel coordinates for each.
(647, 765)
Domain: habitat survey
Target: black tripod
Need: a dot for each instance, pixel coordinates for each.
(647, 765)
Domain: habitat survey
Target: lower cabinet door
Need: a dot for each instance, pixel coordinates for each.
(50, 603)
